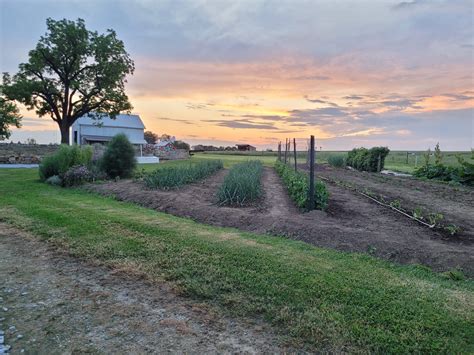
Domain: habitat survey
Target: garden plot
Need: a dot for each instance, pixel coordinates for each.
(351, 222)
(454, 203)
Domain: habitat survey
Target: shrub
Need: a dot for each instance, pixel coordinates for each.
(242, 185)
(65, 158)
(338, 161)
(54, 180)
(77, 175)
(297, 184)
(367, 159)
(463, 174)
(119, 157)
(174, 176)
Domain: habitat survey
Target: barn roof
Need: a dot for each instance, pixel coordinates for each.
(124, 121)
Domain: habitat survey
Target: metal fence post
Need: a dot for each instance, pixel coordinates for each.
(294, 149)
(311, 175)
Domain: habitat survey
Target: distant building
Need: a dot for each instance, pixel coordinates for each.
(87, 130)
(245, 147)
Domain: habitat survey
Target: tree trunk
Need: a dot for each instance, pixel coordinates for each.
(64, 128)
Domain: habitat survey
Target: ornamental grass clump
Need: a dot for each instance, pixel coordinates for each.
(63, 159)
(297, 184)
(242, 185)
(337, 161)
(171, 177)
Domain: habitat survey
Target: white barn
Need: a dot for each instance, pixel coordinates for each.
(87, 130)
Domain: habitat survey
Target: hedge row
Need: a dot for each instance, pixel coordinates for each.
(367, 159)
(242, 185)
(175, 176)
(297, 184)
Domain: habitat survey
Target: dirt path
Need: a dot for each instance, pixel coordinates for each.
(351, 223)
(52, 303)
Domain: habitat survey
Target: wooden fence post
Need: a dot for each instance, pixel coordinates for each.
(311, 175)
(294, 149)
(286, 148)
(279, 151)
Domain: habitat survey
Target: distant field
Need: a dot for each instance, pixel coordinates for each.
(396, 160)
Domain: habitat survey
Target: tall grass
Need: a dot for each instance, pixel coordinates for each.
(242, 185)
(63, 159)
(337, 161)
(176, 176)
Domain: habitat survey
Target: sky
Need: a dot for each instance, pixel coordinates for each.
(352, 73)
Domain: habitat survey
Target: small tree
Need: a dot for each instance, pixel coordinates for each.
(151, 137)
(426, 157)
(119, 157)
(72, 72)
(9, 116)
(438, 155)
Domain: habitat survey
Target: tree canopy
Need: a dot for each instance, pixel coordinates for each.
(151, 137)
(72, 72)
(9, 116)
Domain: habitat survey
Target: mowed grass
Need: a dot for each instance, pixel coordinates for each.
(328, 300)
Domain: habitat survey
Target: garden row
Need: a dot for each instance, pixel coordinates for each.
(240, 187)
(74, 165)
(297, 183)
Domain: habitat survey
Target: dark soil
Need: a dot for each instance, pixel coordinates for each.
(351, 223)
(455, 203)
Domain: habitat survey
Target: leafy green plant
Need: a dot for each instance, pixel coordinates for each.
(175, 176)
(297, 184)
(462, 174)
(337, 161)
(396, 204)
(452, 229)
(454, 274)
(435, 218)
(63, 159)
(119, 157)
(418, 213)
(242, 185)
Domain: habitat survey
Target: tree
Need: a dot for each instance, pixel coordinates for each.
(72, 72)
(9, 116)
(438, 155)
(181, 145)
(165, 137)
(150, 137)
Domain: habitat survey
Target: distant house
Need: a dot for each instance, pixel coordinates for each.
(87, 130)
(245, 147)
(165, 146)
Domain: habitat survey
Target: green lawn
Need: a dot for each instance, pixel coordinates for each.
(326, 299)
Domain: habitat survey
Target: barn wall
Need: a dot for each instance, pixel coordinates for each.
(133, 134)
